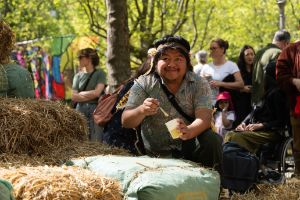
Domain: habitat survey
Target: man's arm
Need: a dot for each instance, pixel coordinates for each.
(198, 126)
(284, 66)
(133, 117)
(88, 95)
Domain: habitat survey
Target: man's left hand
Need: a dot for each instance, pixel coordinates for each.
(254, 127)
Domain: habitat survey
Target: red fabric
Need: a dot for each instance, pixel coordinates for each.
(58, 90)
(297, 107)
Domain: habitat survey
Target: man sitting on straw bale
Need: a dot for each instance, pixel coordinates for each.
(15, 81)
(149, 105)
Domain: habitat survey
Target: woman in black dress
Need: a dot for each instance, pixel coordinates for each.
(242, 98)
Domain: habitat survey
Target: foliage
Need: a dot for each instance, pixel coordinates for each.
(240, 22)
(43, 18)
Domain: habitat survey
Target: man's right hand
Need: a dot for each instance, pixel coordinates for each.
(149, 106)
(241, 127)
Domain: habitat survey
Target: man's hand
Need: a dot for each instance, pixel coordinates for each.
(182, 127)
(296, 82)
(215, 83)
(246, 88)
(241, 127)
(149, 107)
(254, 127)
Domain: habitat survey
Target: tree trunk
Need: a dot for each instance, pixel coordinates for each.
(118, 55)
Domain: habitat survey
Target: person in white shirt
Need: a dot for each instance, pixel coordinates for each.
(201, 57)
(221, 68)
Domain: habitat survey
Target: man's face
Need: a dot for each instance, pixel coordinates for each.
(172, 66)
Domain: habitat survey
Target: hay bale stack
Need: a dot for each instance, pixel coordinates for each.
(289, 190)
(57, 157)
(37, 183)
(38, 126)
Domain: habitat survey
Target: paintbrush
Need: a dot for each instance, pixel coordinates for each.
(161, 109)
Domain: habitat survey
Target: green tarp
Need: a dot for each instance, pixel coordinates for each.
(145, 178)
(6, 190)
(60, 44)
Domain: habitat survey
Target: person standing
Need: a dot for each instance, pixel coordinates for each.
(263, 57)
(171, 75)
(220, 68)
(88, 85)
(242, 98)
(201, 57)
(15, 81)
(288, 77)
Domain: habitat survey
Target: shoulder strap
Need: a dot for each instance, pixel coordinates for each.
(88, 80)
(172, 99)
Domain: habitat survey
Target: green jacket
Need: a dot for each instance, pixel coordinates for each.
(15, 81)
(262, 58)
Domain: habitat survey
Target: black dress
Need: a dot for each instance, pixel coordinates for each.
(242, 101)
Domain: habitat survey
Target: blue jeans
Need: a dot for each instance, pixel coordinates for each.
(95, 131)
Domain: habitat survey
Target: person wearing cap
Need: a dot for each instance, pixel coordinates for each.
(266, 121)
(221, 68)
(87, 87)
(265, 55)
(288, 77)
(171, 68)
(224, 115)
(201, 57)
(15, 81)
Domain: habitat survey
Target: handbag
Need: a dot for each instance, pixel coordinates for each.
(104, 110)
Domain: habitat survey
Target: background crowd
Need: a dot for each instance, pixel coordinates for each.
(248, 102)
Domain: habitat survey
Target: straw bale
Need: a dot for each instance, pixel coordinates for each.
(57, 157)
(38, 126)
(289, 190)
(63, 183)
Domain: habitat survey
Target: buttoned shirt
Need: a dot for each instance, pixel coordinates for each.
(194, 93)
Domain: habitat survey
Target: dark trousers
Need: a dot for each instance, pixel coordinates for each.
(205, 149)
(296, 142)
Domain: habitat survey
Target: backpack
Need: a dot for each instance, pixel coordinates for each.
(240, 168)
(105, 108)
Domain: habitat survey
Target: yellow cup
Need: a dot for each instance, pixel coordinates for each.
(171, 125)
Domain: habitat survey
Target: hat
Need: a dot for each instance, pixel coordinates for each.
(224, 96)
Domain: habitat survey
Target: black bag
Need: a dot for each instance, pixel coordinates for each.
(240, 168)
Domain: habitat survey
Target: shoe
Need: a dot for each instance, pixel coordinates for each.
(271, 177)
(295, 176)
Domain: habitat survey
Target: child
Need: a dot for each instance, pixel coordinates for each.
(224, 115)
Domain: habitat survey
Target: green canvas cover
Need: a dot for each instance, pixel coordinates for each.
(6, 190)
(144, 178)
(60, 44)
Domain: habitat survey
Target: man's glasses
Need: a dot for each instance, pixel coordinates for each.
(213, 48)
